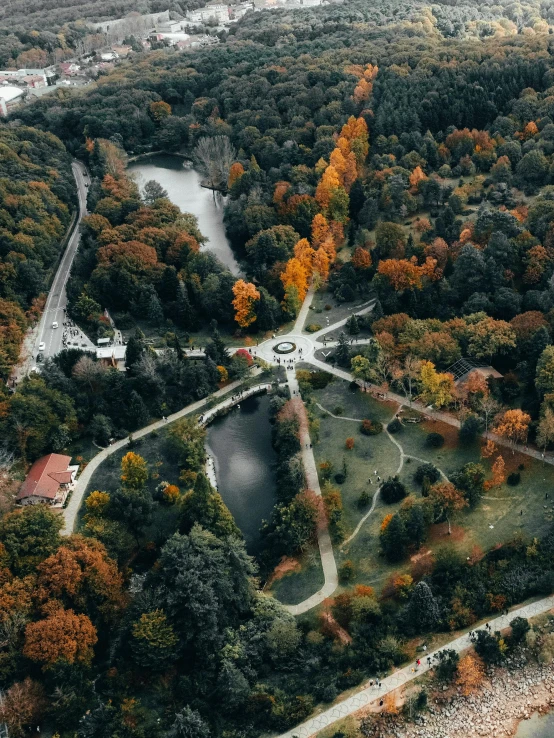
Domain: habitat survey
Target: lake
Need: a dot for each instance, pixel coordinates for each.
(240, 443)
(182, 184)
(538, 726)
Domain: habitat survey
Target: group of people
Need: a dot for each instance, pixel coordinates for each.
(375, 474)
(69, 331)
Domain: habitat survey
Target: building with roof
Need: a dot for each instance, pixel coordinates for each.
(10, 97)
(462, 368)
(48, 482)
(112, 355)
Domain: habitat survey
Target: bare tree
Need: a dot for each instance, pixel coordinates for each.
(215, 155)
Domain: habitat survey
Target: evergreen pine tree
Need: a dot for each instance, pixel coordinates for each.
(423, 609)
(154, 311)
(342, 354)
(185, 316)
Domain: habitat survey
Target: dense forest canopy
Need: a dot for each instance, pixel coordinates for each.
(391, 149)
(36, 199)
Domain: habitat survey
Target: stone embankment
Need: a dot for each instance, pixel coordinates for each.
(508, 696)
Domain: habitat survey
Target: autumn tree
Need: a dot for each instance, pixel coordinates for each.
(447, 501)
(498, 473)
(82, 577)
(244, 301)
(134, 471)
(295, 275)
(62, 636)
(545, 429)
(513, 425)
(153, 642)
(436, 388)
(235, 172)
(23, 707)
(470, 673)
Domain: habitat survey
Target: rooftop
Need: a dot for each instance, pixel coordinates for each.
(9, 92)
(45, 476)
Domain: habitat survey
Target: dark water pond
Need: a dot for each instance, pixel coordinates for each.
(240, 443)
(183, 188)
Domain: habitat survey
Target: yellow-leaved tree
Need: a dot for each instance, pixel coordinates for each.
(437, 388)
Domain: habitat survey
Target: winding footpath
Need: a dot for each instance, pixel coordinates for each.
(370, 694)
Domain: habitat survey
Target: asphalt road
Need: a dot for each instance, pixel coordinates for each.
(57, 298)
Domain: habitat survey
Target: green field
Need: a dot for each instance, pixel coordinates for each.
(503, 512)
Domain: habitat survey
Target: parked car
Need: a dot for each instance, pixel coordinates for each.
(41, 346)
(55, 324)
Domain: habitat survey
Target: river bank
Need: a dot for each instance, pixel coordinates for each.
(509, 696)
(185, 188)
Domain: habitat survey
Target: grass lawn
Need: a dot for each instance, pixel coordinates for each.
(339, 310)
(496, 519)
(298, 585)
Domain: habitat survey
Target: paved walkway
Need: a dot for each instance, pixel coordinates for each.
(71, 511)
(370, 694)
(430, 412)
(328, 562)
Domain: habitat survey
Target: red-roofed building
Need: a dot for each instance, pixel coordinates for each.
(48, 482)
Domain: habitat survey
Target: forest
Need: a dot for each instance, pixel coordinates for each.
(397, 151)
(36, 200)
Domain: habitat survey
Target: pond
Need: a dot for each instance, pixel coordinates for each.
(182, 184)
(538, 726)
(240, 444)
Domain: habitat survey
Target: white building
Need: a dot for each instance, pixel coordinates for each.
(169, 27)
(212, 12)
(9, 97)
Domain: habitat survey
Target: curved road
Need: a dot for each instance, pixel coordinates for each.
(57, 297)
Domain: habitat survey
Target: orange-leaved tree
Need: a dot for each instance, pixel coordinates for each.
(235, 172)
(513, 425)
(244, 301)
(471, 672)
(295, 275)
(61, 637)
(447, 501)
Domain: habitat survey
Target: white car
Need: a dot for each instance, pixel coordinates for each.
(55, 324)
(41, 346)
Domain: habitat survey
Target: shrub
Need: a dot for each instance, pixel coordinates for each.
(514, 479)
(434, 440)
(364, 498)
(471, 427)
(328, 307)
(326, 469)
(395, 426)
(349, 443)
(346, 572)
(371, 427)
(313, 328)
(448, 664)
(521, 467)
(393, 491)
(520, 627)
(427, 471)
(320, 380)
(338, 410)
(340, 477)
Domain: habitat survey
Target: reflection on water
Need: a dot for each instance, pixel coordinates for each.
(240, 443)
(538, 726)
(183, 187)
